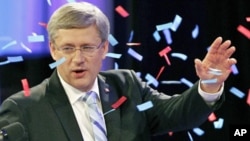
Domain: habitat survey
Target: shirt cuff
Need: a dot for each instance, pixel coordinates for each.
(210, 98)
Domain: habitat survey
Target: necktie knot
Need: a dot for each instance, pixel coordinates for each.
(90, 98)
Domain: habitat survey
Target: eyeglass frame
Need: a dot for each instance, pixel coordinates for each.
(82, 49)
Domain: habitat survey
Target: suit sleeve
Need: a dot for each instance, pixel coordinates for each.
(174, 113)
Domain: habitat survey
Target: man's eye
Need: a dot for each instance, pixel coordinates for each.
(68, 48)
(87, 47)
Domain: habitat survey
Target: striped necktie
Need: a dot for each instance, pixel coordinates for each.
(96, 116)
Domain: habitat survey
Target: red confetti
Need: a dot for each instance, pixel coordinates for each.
(164, 53)
(119, 102)
(243, 30)
(170, 133)
(122, 11)
(43, 24)
(161, 70)
(212, 117)
(248, 19)
(248, 97)
(26, 87)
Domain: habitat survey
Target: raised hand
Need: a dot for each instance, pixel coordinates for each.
(218, 57)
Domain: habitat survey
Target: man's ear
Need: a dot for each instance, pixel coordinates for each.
(105, 49)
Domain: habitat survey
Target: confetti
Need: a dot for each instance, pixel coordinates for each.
(237, 92)
(160, 72)
(151, 80)
(12, 60)
(187, 82)
(195, 32)
(248, 98)
(179, 55)
(118, 103)
(135, 54)
(145, 106)
(26, 88)
(176, 23)
(9, 44)
(133, 44)
(116, 66)
(212, 117)
(131, 36)
(234, 69)
(37, 38)
(71, 1)
(49, 2)
(198, 131)
(218, 124)
(164, 53)
(26, 48)
(190, 136)
(215, 73)
(57, 63)
(248, 19)
(112, 40)
(164, 26)
(157, 36)
(119, 9)
(168, 37)
(209, 81)
(243, 30)
(43, 24)
(15, 59)
(171, 82)
(114, 55)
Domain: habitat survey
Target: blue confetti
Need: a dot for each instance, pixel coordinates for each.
(114, 55)
(176, 23)
(209, 81)
(36, 38)
(151, 80)
(179, 55)
(157, 36)
(57, 63)
(187, 82)
(198, 131)
(145, 106)
(219, 124)
(195, 32)
(164, 26)
(135, 54)
(112, 40)
(237, 92)
(168, 36)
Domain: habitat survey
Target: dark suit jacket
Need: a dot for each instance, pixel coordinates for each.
(48, 116)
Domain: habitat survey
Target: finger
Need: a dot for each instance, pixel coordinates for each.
(215, 45)
(198, 65)
(224, 46)
(230, 51)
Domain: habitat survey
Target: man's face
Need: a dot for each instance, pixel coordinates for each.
(81, 67)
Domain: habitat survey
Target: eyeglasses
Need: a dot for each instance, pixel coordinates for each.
(88, 49)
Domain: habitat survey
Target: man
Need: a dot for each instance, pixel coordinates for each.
(56, 110)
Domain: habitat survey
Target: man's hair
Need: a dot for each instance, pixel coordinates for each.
(78, 15)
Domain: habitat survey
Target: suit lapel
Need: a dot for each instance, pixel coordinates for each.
(112, 119)
(63, 109)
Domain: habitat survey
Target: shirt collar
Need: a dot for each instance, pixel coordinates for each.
(75, 94)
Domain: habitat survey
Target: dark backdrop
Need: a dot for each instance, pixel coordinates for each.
(214, 18)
